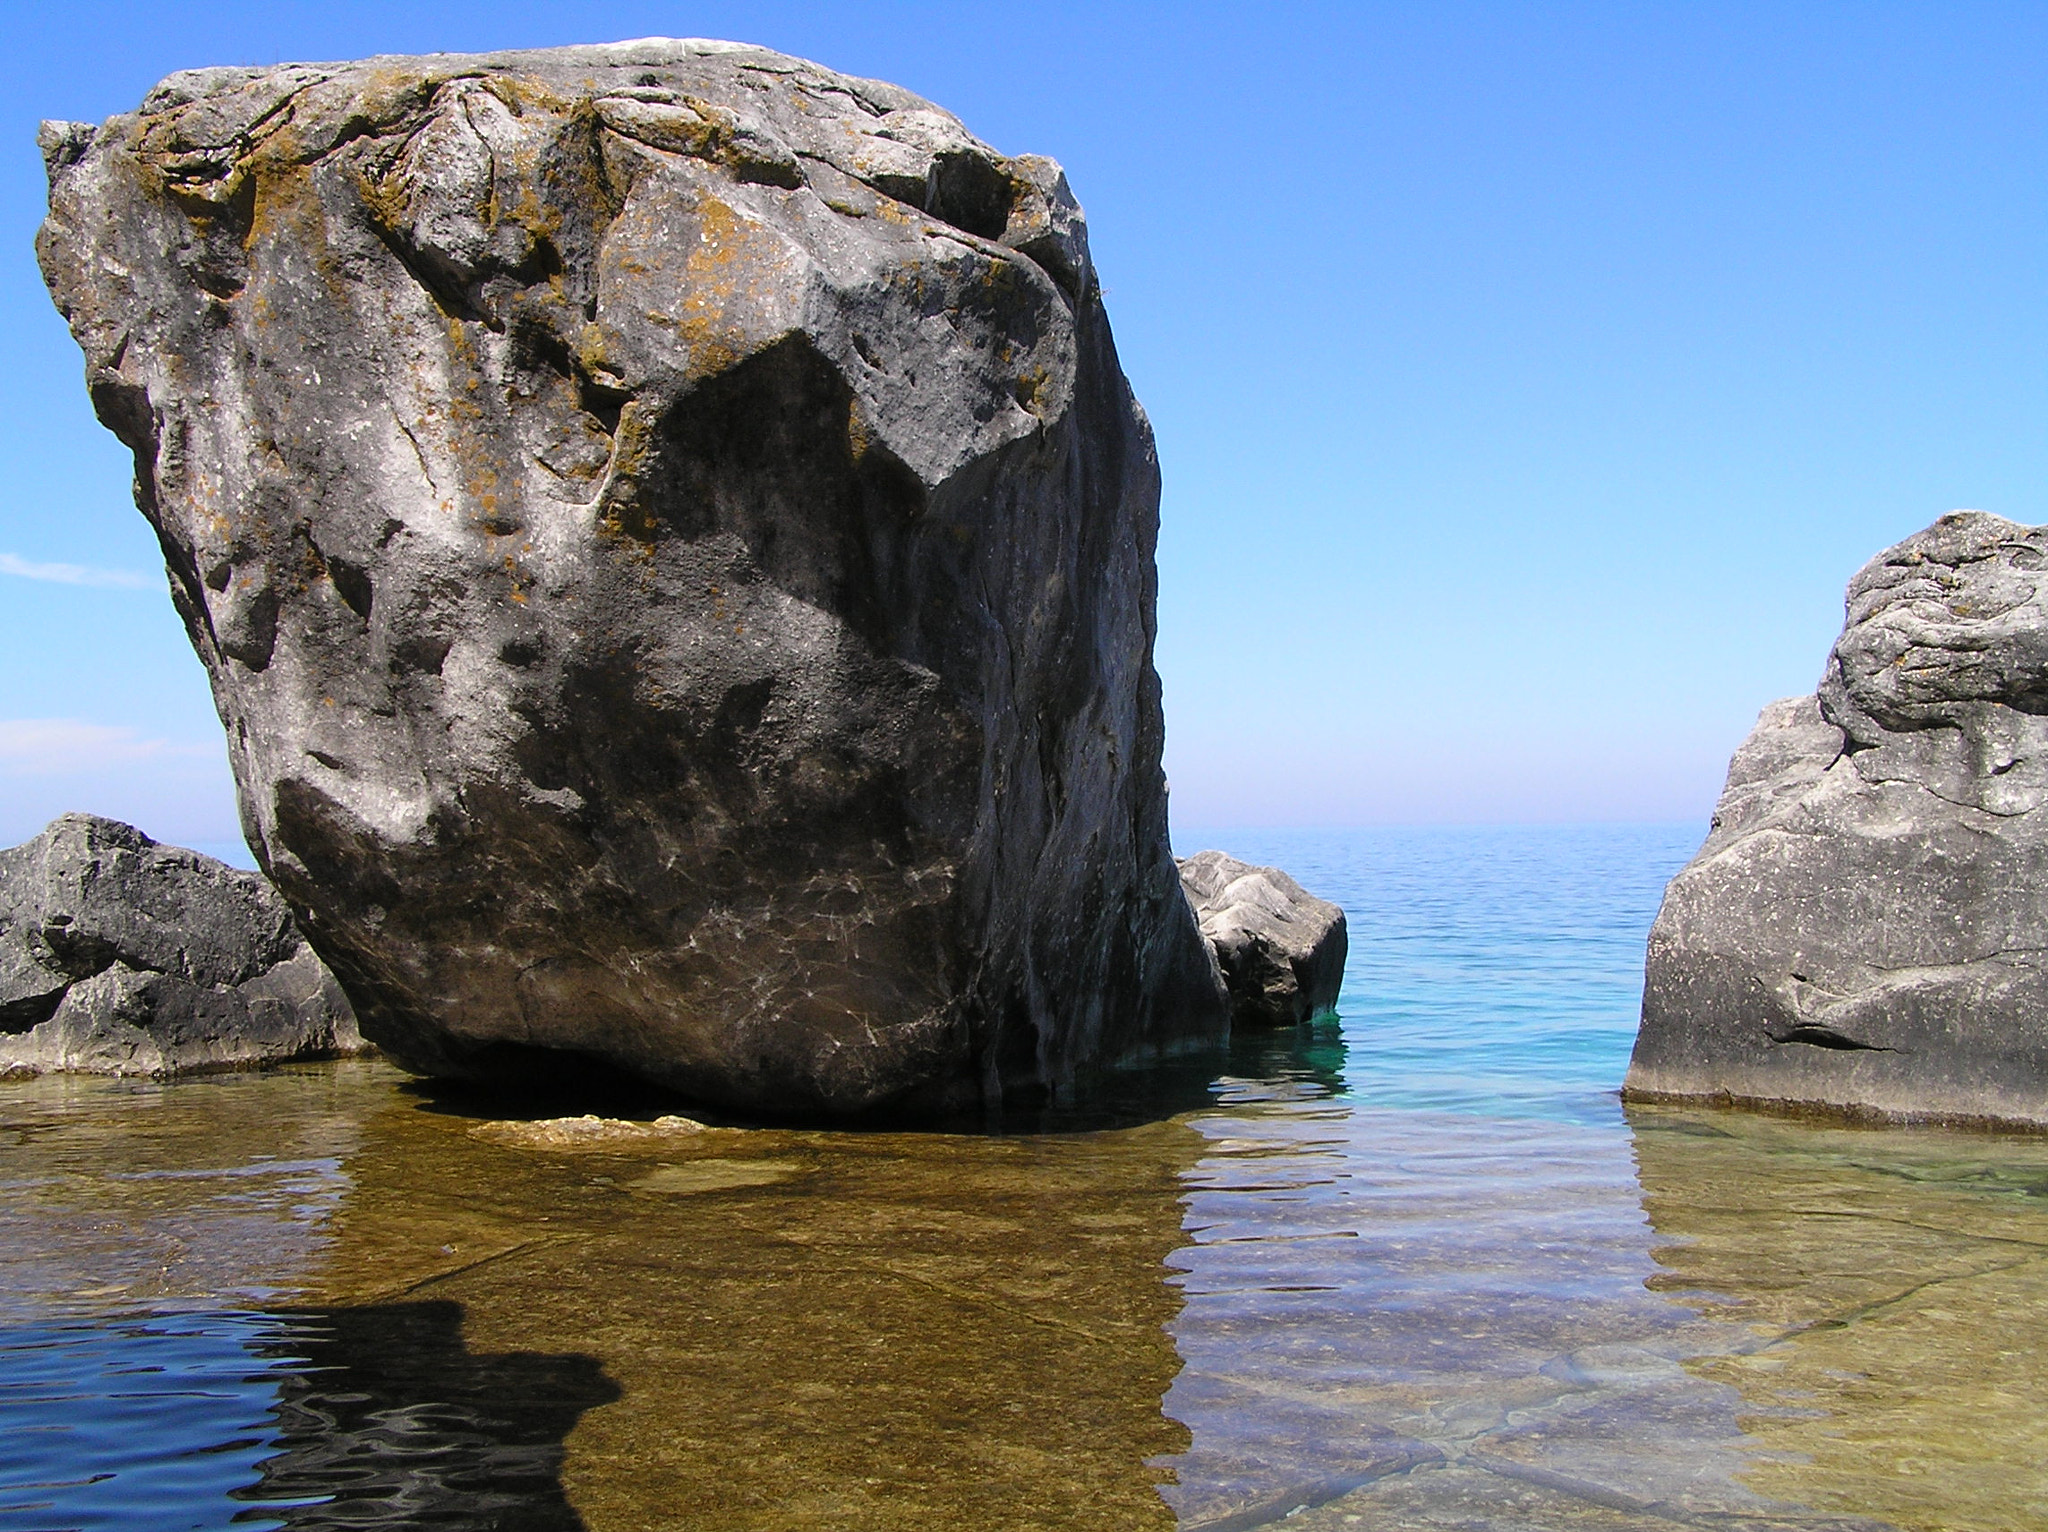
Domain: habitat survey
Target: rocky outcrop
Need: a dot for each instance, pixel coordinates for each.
(1862, 930)
(673, 549)
(1280, 950)
(120, 956)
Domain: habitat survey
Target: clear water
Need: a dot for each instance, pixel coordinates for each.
(1415, 1269)
(1495, 971)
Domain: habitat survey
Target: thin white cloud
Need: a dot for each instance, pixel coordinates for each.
(73, 574)
(41, 747)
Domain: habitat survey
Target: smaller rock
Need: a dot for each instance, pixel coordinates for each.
(1281, 950)
(120, 956)
(712, 1176)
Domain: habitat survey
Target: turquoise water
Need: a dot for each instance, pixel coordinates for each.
(1492, 970)
(1415, 1267)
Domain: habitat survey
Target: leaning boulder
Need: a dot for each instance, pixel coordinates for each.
(120, 956)
(1280, 949)
(673, 549)
(1862, 929)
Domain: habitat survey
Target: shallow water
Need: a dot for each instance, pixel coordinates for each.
(1420, 1270)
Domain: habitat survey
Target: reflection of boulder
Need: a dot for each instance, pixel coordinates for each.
(1886, 1287)
(149, 1195)
(1861, 929)
(387, 1419)
(1280, 948)
(121, 956)
(673, 548)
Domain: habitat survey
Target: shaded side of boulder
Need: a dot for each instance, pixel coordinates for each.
(121, 956)
(1279, 950)
(673, 548)
(1862, 931)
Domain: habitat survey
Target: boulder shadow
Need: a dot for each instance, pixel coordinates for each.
(386, 1419)
(1254, 1063)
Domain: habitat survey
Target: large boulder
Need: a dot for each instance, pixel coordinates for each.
(1862, 930)
(120, 956)
(673, 549)
(1279, 948)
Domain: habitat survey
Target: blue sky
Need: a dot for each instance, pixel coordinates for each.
(1529, 379)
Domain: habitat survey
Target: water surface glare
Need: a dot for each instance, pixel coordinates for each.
(1417, 1269)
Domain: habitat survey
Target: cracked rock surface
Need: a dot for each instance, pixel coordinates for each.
(1279, 948)
(120, 956)
(1863, 928)
(673, 549)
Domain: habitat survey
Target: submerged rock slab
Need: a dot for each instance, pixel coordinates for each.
(120, 956)
(1279, 948)
(1863, 928)
(598, 1135)
(673, 549)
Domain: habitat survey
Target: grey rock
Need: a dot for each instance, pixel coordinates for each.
(1862, 930)
(121, 956)
(673, 549)
(1279, 949)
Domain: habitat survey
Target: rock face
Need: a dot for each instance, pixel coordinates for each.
(1863, 928)
(1280, 949)
(673, 549)
(120, 956)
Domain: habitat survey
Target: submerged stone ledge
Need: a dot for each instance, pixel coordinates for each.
(1861, 934)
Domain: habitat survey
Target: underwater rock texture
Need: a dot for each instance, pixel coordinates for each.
(673, 548)
(1280, 949)
(1863, 927)
(120, 956)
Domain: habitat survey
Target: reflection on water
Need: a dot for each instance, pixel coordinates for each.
(367, 1417)
(1349, 1287)
(1421, 1320)
(124, 1424)
(1284, 1307)
(891, 1330)
(116, 1195)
